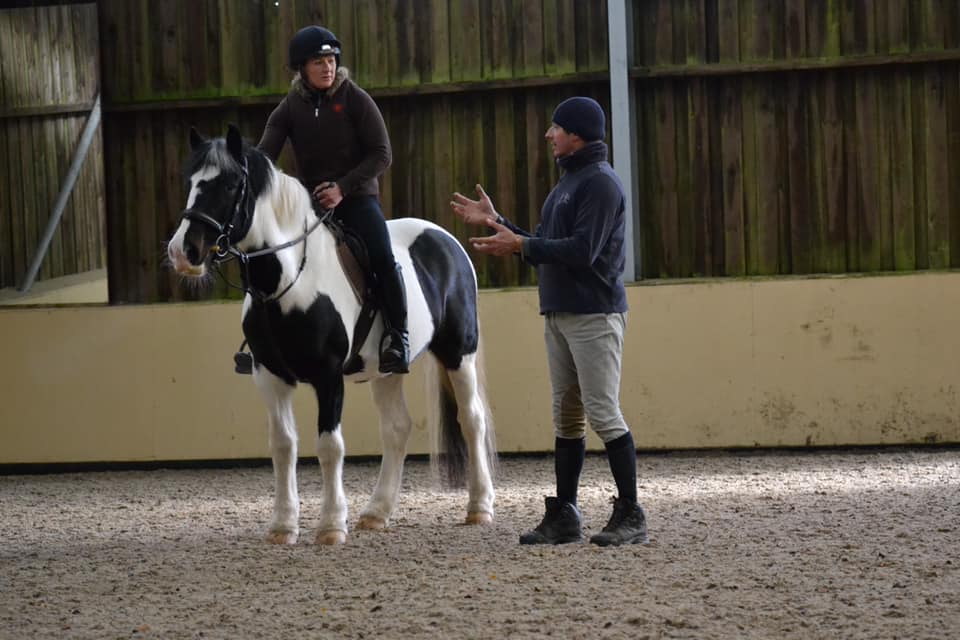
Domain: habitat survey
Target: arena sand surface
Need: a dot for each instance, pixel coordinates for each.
(829, 544)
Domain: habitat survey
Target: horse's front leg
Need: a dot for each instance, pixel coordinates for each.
(330, 451)
(395, 425)
(282, 434)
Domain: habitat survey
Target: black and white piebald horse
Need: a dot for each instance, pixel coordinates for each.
(299, 316)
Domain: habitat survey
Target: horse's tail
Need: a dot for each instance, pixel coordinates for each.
(448, 447)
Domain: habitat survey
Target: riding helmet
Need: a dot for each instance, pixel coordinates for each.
(313, 42)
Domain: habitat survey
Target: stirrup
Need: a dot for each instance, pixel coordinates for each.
(243, 361)
(391, 361)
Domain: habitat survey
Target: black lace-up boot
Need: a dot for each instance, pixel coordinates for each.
(560, 524)
(627, 525)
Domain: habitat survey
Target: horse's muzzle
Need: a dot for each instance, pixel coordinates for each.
(185, 256)
(183, 265)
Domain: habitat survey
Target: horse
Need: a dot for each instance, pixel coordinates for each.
(299, 317)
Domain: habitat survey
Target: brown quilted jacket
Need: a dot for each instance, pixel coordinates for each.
(337, 135)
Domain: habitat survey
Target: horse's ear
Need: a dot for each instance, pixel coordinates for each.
(234, 142)
(196, 140)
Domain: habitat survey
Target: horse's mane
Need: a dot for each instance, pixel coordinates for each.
(214, 153)
(288, 194)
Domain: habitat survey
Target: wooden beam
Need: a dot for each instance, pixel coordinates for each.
(775, 66)
(391, 92)
(218, 102)
(46, 110)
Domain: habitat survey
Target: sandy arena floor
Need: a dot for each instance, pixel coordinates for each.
(842, 544)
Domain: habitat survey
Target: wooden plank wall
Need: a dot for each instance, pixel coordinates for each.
(782, 137)
(775, 136)
(49, 76)
(466, 88)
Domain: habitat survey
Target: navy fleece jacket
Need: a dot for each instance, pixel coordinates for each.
(578, 246)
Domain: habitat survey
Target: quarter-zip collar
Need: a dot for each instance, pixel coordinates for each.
(590, 153)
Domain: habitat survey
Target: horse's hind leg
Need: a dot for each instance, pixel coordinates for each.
(395, 425)
(283, 448)
(472, 414)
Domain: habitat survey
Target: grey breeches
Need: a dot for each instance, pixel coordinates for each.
(584, 353)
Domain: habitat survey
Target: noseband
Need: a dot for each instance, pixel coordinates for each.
(223, 248)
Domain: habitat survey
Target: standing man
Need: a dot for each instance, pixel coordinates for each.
(578, 249)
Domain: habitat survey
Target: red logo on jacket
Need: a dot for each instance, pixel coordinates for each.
(338, 107)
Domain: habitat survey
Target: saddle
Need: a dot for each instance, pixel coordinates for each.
(352, 253)
(355, 262)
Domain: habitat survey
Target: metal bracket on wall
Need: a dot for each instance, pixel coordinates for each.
(86, 139)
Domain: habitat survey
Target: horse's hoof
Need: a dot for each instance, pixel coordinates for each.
(371, 523)
(479, 517)
(282, 537)
(331, 537)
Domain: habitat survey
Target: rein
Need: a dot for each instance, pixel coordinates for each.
(223, 249)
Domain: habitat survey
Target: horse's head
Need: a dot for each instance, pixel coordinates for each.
(220, 200)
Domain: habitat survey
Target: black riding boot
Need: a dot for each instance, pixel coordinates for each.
(395, 344)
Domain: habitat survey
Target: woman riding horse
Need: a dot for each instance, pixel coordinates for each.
(341, 145)
(299, 315)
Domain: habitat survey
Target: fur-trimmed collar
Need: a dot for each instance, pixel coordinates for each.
(300, 86)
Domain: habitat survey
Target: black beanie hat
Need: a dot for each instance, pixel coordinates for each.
(581, 116)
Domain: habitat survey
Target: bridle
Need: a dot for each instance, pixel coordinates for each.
(241, 219)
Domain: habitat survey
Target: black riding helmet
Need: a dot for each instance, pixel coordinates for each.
(313, 42)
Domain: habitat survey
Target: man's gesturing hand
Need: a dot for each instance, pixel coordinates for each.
(474, 211)
(503, 243)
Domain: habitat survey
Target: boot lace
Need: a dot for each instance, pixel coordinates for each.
(620, 512)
